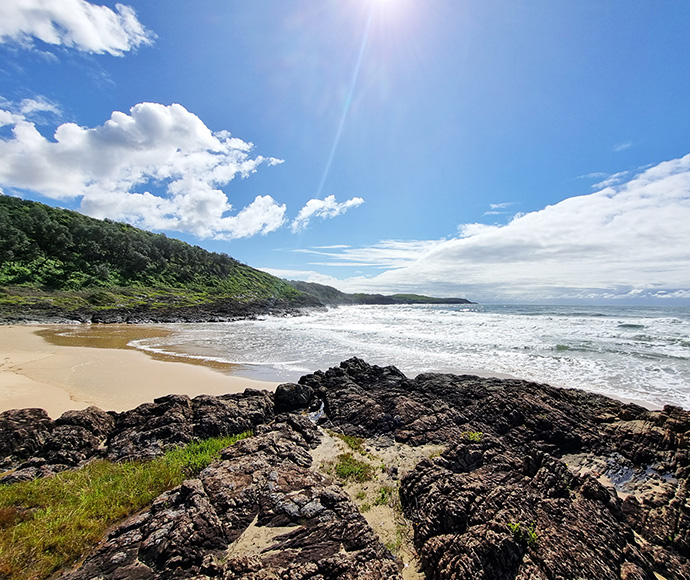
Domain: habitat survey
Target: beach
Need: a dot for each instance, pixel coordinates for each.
(39, 367)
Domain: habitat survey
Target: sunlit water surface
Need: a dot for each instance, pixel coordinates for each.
(629, 352)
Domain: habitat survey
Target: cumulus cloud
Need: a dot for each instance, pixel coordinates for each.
(114, 168)
(324, 209)
(628, 241)
(73, 23)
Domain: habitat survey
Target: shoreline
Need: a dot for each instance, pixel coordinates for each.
(61, 367)
(36, 372)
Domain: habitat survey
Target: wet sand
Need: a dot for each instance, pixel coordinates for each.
(71, 367)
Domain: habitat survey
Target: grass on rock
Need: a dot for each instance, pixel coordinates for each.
(348, 467)
(47, 524)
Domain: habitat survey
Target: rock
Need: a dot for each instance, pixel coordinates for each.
(144, 432)
(152, 428)
(528, 454)
(99, 423)
(291, 396)
(533, 482)
(257, 513)
(23, 433)
(231, 414)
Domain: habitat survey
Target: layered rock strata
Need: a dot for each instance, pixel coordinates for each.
(533, 482)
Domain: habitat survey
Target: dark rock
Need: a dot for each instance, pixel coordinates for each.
(152, 428)
(99, 423)
(464, 502)
(23, 433)
(534, 481)
(257, 513)
(291, 396)
(231, 414)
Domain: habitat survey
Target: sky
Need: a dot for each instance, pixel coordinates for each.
(502, 151)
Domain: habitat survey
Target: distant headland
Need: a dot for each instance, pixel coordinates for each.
(58, 265)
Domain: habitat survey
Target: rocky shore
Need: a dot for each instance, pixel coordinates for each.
(527, 481)
(48, 311)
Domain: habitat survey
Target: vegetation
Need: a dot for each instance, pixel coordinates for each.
(524, 534)
(385, 496)
(67, 260)
(354, 443)
(48, 523)
(472, 436)
(332, 296)
(347, 467)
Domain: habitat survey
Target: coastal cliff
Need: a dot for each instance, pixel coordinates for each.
(495, 479)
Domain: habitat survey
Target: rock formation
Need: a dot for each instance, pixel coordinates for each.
(533, 481)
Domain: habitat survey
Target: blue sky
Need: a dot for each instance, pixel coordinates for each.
(503, 151)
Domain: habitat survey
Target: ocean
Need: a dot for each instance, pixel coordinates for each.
(638, 353)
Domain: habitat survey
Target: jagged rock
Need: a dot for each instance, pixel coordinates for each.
(98, 422)
(34, 446)
(152, 428)
(231, 414)
(23, 433)
(463, 501)
(291, 396)
(257, 513)
(534, 482)
(483, 511)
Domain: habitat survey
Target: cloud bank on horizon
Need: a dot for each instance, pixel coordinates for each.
(627, 241)
(111, 166)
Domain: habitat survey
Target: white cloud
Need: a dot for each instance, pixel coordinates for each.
(623, 146)
(323, 208)
(385, 254)
(614, 179)
(73, 23)
(40, 104)
(625, 242)
(303, 275)
(469, 230)
(112, 166)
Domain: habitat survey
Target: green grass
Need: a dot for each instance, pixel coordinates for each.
(48, 523)
(354, 443)
(347, 467)
(384, 496)
(524, 534)
(472, 436)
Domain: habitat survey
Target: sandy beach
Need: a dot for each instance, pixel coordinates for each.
(42, 366)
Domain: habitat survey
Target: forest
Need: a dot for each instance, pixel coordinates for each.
(82, 261)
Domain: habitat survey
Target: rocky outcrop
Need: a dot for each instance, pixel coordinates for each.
(32, 445)
(47, 312)
(533, 481)
(257, 513)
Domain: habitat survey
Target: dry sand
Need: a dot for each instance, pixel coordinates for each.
(40, 366)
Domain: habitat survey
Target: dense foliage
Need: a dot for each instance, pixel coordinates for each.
(57, 249)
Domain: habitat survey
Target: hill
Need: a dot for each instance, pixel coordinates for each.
(333, 297)
(58, 264)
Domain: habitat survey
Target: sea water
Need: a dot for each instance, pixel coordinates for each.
(629, 352)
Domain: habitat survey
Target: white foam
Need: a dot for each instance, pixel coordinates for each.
(651, 363)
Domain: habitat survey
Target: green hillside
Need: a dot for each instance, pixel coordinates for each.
(62, 262)
(334, 297)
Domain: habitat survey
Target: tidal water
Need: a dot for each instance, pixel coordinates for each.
(640, 353)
